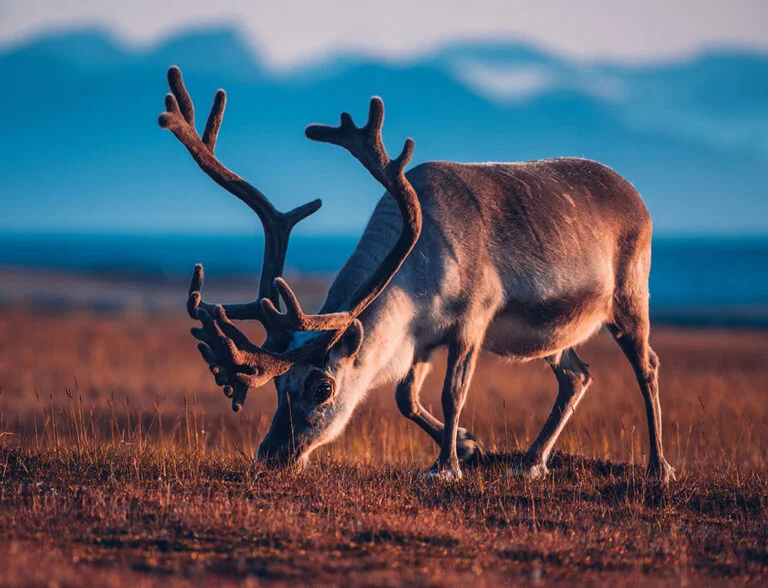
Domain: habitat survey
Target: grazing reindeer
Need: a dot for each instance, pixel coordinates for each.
(526, 260)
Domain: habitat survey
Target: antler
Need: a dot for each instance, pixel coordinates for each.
(366, 146)
(260, 364)
(229, 366)
(236, 363)
(179, 118)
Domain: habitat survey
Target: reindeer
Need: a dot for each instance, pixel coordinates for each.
(525, 260)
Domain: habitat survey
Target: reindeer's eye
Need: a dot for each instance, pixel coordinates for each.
(322, 390)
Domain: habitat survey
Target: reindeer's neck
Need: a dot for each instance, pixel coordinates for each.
(387, 351)
(388, 346)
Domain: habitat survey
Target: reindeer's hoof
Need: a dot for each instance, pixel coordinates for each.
(661, 472)
(443, 474)
(467, 447)
(531, 471)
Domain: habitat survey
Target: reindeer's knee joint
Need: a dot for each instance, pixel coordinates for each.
(573, 371)
(573, 381)
(583, 375)
(648, 375)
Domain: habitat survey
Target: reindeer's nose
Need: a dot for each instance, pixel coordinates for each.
(274, 454)
(282, 445)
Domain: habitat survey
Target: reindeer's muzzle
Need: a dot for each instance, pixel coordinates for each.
(283, 445)
(277, 455)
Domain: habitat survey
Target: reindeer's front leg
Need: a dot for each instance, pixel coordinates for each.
(407, 397)
(462, 357)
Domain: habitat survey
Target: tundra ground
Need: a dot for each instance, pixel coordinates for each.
(120, 461)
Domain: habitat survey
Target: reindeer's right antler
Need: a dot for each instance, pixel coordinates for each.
(366, 145)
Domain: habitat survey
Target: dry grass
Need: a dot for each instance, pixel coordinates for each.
(120, 461)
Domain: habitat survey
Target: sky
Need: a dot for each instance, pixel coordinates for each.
(294, 33)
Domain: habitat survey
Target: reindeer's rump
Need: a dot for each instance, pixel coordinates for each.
(556, 234)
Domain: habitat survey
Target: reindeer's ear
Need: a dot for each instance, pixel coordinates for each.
(351, 340)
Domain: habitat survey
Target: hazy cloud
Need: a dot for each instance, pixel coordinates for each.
(505, 83)
(512, 83)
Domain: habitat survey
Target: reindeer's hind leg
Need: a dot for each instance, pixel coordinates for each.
(407, 397)
(631, 328)
(573, 379)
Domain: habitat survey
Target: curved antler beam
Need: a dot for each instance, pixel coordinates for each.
(366, 145)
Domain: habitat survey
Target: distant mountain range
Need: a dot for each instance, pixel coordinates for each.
(82, 152)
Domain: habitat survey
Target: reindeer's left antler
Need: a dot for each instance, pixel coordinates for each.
(234, 360)
(179, 118)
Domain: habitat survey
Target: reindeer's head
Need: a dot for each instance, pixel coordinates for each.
(310, 357)
(315, 401)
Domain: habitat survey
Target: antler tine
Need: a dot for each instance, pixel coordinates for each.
(195, 302)
(294, 318)
(213, 124)
(176, 84)
(365, 143)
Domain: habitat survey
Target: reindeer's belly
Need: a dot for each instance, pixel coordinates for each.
(528, 331)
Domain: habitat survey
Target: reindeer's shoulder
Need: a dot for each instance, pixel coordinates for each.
(435, 173)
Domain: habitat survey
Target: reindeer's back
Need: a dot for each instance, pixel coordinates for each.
(537, 202)
(547, 212)
(550, 229)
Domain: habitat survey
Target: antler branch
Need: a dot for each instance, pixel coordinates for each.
(179, 118)
(294, 318)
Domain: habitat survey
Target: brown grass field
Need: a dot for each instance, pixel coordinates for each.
(120, 461)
